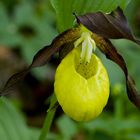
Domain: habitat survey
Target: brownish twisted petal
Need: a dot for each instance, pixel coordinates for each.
(65, 49)
(111, 53)
(113, 25)
(42, 57)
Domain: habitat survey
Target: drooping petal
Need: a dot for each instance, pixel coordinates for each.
(111, 53)
(81, 89)
(65, 49)
(113, 25)
(42, 57)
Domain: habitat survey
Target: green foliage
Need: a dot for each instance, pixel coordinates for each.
(28, 33)
(130, 52)
(12, 124)
(7, 29)
(71, 130)
(38, 23)
(104, 127)
(107, 126)
(120, 122)
(65, 8)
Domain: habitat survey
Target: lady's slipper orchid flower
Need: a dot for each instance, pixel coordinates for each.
(81, 81)
(82, 89)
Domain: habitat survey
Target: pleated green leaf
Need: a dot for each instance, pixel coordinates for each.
(12, 124)
(65, 8)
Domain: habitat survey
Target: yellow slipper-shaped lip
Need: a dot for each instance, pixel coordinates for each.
(82, 90)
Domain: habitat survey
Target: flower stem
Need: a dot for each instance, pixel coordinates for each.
(49, 118)
(118, 114)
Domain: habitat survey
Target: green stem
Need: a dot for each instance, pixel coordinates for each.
(48, 119)
(119, 108)
(118, 114)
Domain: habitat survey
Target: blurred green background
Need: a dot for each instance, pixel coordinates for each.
(28, 25)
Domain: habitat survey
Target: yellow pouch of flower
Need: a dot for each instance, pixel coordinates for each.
(82, 89)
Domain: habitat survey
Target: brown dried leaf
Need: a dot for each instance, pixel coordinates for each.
(111, 53)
